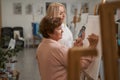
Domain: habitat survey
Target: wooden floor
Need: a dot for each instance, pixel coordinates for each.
(27, 64)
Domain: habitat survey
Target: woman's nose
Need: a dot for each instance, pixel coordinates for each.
(62, 31)
(63, 15)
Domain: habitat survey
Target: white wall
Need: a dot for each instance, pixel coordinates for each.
(25, 20)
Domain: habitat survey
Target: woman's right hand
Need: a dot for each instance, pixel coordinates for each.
(93, 40)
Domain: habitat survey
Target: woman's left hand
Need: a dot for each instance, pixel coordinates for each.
(78, 42)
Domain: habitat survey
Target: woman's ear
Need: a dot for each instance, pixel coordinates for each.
(50, 35)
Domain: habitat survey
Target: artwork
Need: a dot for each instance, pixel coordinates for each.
(17, 8)
(73, 7)
(40, 10)
(85, 8)
(29, 9)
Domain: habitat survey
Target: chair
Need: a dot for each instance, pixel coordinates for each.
(6, 35)
(36, 34)
(18, 36)
(20, 29)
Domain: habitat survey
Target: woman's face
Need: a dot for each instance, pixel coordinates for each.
(57, 33)
(62, 13)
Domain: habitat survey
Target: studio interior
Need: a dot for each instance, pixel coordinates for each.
(20, 37)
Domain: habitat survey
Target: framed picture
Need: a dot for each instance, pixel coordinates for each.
(29, 9)
(73, 7)
(17, 8)
(40, 10)
(85, 8)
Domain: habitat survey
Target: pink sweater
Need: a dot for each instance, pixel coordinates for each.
(52, 60)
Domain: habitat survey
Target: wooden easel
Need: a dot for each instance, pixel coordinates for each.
(109, 46)
(74, 61)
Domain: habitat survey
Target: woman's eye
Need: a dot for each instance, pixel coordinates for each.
(62, 13)
(59, 28)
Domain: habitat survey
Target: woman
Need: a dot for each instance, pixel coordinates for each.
(51, 55)
(58, 10)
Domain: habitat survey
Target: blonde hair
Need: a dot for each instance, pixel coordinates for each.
(53, 9)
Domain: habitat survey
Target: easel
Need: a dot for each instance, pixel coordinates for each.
(74, 61)
(109, 46)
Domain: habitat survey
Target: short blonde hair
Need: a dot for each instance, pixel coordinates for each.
(53, 9)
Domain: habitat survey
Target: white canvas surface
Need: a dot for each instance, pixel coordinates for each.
(93, 26)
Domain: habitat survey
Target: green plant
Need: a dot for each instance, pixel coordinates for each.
(3, 59)
(7, 54)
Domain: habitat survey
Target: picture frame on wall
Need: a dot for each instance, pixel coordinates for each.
(40, 10)
(85, 8)
(29, 9)
(17, 8)
(73, 7)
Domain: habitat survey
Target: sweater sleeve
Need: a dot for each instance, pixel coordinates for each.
(61, 55)
(64, 56)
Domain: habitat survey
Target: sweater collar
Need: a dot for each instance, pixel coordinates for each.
(49, 40)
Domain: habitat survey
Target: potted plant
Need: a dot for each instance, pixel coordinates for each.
(3, 59)
(6, 56)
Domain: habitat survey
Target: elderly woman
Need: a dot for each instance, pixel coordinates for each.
(51, 55)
